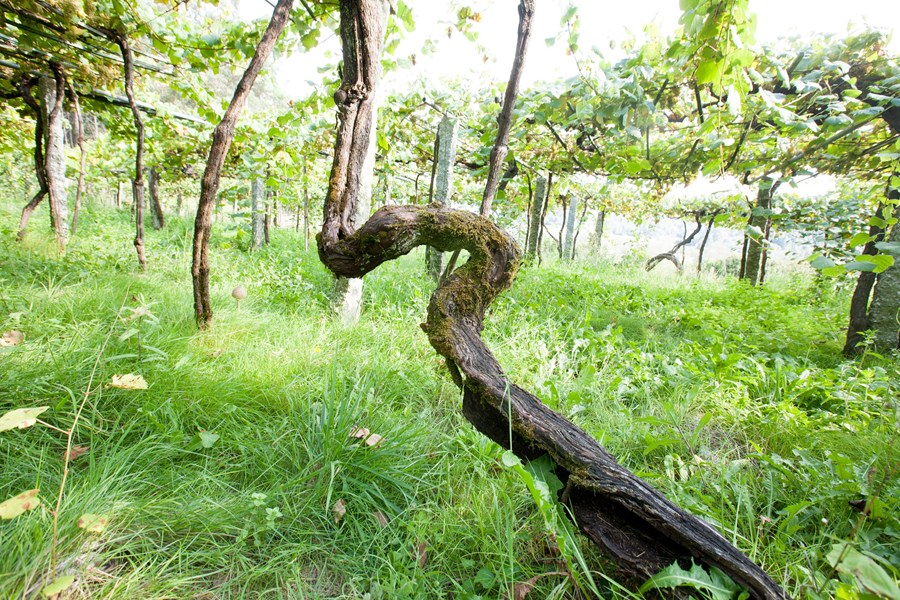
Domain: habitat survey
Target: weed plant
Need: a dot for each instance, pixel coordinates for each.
(220, 480)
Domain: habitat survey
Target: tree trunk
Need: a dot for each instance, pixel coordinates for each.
(53, 92)
(754, 239)
(257, 213)
(564, 200)
(444, 157)
(578, 227)
(535, 218)
(764, 257)
(137, 184)
(25, 87)
(569, 248)
(504, 121)
(156, 209)
(671, 254)
(222, 138)
(598, 231)
(622, 514)
(79, 139)
(859, 303)
(884, 310)
(540, 236)
(712, 221)
(305, 208)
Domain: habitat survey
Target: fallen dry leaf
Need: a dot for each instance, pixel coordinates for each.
(75, 452)
(129, 381)
(359, 432)
(421, 554)
(371, 439)
(217, 353)
(21, 418)
(379, 516)
(16, 505)
(11, 338)
(339, 510)
(93, 523)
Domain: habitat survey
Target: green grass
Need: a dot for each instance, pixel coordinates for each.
(733, 401)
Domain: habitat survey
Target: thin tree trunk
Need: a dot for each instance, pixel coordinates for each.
(859, 303)
(755, 241)
(444, 157)
(528, 215)
(504, 122)
(25, 87)
(156, 209)
(137, 184)
(578, 230)
(540, 236)
(598, 230)
(564, 200)
(622, 514)
(222, 138)
(712, 221)
(764, 257)
(53, 92)
(79, 139)
(305, 207)
(538, 206)
(569, 247)
(257, 213)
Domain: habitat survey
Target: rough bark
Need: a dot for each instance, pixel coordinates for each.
(884, 310)
(671, 254)
(444, 157)
(156, 210)
(137, 183)
(537, 210)
(859, 302)
(257, 213)
(79, 140)
(569, 247)
(754, 242)
(25, 87)
(53, 93)
(221, 142)
(639, 527)
(498, 152)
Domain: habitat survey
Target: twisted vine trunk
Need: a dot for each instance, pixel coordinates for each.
(25, 87)
(622, 514)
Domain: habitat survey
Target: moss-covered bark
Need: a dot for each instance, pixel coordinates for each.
(622, 514)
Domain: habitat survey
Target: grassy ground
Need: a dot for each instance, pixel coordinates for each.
(733, 401)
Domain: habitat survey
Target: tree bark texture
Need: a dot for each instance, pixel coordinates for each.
(859, 302)
(137, 183)
(223, 135)
(632, 521)
(534, 219)
(79, 140)
(156, 209)
(757, 222)
(504, 122)
(884, 310)
(53, 93)
(25, 87)
(257, 213)
(444, 157)
(569, 247)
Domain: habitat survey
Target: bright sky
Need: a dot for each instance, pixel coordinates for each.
(601, 23)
